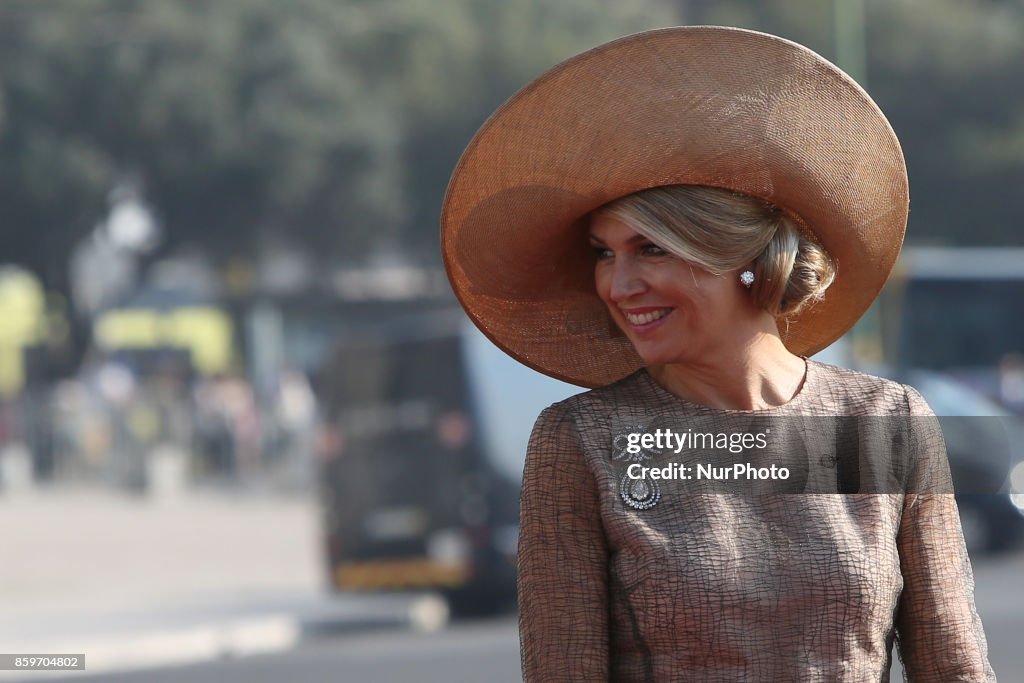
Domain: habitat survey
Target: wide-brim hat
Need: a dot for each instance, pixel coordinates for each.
(697, 105)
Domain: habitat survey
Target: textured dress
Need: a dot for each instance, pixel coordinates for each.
(619, 584)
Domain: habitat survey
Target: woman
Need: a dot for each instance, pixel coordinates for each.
(744, 201)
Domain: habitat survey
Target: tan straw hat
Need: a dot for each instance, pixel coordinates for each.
(699, 105)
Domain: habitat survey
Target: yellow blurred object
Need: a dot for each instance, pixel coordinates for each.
(144, 423)
(22, 318)
(12, 371)
(406, 573)
(205, 331)
(128, 328)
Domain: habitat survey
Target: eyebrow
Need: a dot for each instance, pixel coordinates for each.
(632, 240)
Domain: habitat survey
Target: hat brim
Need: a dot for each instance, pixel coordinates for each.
(714, 106)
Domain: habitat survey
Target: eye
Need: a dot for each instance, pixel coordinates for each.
(601, 253)
(651, 249)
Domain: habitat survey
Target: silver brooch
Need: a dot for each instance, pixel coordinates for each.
(640, 494)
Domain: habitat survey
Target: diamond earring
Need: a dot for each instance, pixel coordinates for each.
(747, 278)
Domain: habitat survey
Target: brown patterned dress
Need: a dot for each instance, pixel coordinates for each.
(730, 586)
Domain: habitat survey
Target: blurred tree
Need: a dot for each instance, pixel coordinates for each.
(242, 119)
(950, 79)
(334, 124)
(947, 74)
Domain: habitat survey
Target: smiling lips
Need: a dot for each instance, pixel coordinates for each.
(645, 316)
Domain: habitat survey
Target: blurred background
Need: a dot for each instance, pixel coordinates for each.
(245, 431)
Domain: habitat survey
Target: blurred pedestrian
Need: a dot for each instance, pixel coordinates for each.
(744, 202)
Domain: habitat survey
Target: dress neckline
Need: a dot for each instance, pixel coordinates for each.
(807, 388)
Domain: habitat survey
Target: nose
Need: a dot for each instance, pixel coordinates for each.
(626, 280)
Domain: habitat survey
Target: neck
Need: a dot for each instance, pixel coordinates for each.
(760, 374)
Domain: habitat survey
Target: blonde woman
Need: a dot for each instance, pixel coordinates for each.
(678, 219)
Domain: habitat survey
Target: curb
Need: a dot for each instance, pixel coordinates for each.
(225, 638)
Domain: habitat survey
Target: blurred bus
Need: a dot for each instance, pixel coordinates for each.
(956, 310)
(422, 441)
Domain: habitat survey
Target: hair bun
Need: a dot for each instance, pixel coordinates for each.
(793, 270)
(813, 273)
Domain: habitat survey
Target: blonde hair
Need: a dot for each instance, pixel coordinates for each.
(721, 231)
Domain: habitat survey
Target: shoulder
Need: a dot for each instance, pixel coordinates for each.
(599, 403)
(593, 410)
(858, 393)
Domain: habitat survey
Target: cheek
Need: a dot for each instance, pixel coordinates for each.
(602, 282)
(725, 307)
(702, 299)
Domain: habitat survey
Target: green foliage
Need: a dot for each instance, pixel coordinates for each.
(335, 124)
(947, 74)
(949, 77)
(330, 124)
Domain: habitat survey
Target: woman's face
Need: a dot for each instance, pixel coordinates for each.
(671, 310)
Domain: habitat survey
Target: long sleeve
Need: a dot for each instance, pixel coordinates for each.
(563, 559)
(939, 631)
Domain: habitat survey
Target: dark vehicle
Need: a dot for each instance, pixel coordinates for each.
(982, 444)
(424, 431)
(956, 310)
(950, 318)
